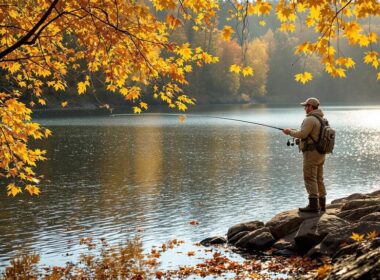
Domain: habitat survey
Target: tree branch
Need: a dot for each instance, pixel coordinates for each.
(24, 40)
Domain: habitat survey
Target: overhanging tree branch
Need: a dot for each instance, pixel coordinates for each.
(25, 40)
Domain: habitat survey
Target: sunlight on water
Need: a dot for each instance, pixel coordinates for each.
(115, 177)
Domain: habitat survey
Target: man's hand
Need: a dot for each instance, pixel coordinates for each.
(286, 131)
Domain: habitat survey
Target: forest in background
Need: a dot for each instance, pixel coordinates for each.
(270, 52)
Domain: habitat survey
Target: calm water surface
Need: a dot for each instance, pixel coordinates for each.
(110, 177)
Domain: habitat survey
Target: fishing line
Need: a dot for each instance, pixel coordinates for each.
(201, 116)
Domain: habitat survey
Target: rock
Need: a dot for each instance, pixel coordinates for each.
(333, 241)
(214, 241)
(287, 222)
(249, 226)
(371, 217)
(307, 235)
(258, 239)
(360, 203)
(237, 236)
(282, 244)
(350, 197)
(287, 242)
(363, 263)
(375, 194)
(312, 231)
(333, 209)
(262, 241)
(356, 214)
(285, 253)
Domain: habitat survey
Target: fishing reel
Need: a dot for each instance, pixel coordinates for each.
(293, 142)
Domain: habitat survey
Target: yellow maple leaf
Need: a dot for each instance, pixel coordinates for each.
(378, 76)
(370, 57)
(82, 86)
(235, 68)
(288, 27)
(188, 68)
(47, 132)
(247, 71)
(42, 101)
(227, 33)
(357, 237)
(136, 110)
(264, 8)
(372, 234)
(301, 7)
(364, 41)
(262, 23)
(372, 37)
(305, 48)
(33, 190)
(13, 190)
(143, 105)
(340, 72)
(185, 51)
(64, 104)
(310, 22)
(181, 106)
(350, 63)
(303, 77)
(59, 86)
(172, 21)
(14, 67)
(133, 93)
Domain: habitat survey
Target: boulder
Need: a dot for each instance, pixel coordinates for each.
(350, 197)
(375, 194)
(312, 231)
(287, 242)
(356, 214)
(360, 203)
(371, 217)
(249, 226)
(334, 240)
(237, 237)
(286, 222)
(258, 239)
(214, 241)
(262, 241)
(334, 206)
(360, 261)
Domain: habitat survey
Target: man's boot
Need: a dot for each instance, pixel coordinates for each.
(322, 203)
(312, 207)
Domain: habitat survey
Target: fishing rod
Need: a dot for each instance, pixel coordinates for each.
(204, 116)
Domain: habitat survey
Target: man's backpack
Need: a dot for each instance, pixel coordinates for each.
(326, 140)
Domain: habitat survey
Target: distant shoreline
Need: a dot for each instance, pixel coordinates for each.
(96, 111)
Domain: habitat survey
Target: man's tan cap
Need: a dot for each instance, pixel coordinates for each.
(311, 101)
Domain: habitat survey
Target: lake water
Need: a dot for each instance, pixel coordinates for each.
(113, 177)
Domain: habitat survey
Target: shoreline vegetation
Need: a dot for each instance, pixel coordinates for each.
(341, 243)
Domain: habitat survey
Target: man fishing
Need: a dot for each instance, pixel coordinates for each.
(312, 160)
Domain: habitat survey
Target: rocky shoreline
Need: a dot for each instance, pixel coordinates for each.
(347, 232)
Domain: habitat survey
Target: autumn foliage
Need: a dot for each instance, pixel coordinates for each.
(128, 44)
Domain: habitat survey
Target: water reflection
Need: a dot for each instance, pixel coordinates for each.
(112, 177)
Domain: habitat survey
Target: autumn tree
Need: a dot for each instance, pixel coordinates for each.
(128, 42)
(257, 55)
